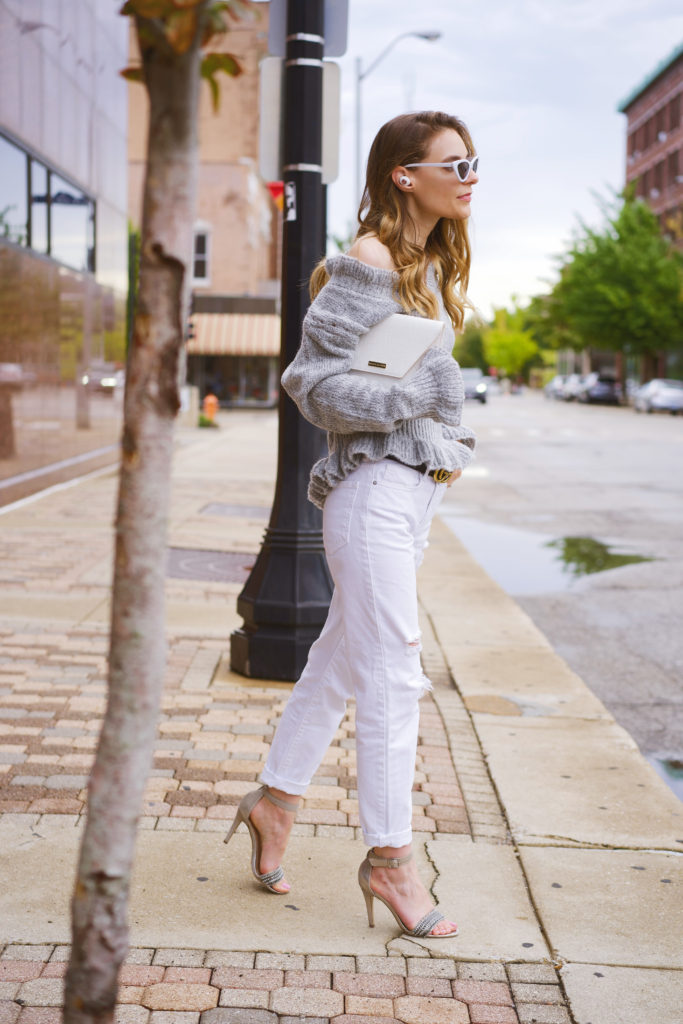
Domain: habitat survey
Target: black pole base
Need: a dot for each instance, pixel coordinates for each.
(269, 652)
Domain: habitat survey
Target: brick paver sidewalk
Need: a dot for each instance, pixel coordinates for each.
(210, 749)
(213, 736)
(190, 986)
(211, 745)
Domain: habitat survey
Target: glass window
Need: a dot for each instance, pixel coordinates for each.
(13, 187)
(659, 176)
(71, 214)
(39, 207)
(200, 261)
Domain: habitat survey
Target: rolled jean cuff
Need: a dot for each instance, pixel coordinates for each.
(404, 838)
(269, 778)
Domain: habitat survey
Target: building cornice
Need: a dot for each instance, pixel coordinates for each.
(664, 65)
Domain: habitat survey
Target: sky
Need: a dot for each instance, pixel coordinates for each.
(538, 83)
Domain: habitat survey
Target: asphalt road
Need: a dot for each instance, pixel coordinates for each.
(547, 471)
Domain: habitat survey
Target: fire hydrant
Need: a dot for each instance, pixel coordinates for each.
(210, 406)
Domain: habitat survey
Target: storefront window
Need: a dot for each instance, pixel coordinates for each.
(71, 229)
(255, 378)
(13, 182)
(39, 207)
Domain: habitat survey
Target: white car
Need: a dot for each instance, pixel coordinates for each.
(572, 386)
(554, 387)
(475, 385)
(659, 395)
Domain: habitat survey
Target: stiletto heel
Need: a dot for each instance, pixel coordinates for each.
(269, 878)
(423, 928)
(370, 907)
(233, 828)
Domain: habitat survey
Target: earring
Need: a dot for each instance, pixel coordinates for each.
(404, 180)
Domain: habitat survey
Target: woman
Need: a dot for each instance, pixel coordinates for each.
(378, 489)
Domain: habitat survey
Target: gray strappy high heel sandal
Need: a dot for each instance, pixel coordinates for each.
(247, 804)
(424, 926)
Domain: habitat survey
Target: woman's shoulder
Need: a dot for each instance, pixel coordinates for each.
(367, 269)
(356, 290)
(368, 249)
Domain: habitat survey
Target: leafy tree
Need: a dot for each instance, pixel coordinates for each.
(469, 346)
(544, 319)
(170, 35)
(507, 345)
(620, 287)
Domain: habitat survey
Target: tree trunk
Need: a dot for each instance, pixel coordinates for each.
(137, 650)
(7, 448)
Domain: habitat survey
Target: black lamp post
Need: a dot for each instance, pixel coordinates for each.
(285, 600)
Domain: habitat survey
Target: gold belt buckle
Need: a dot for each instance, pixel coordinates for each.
(441, 475)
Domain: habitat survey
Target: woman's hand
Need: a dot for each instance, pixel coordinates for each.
(455, 475)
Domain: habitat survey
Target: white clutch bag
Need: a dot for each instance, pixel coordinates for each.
(391, 351)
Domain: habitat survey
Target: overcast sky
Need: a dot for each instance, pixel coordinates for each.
(538, 83)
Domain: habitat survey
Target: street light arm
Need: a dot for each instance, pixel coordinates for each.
(385, 51)
(430, 37)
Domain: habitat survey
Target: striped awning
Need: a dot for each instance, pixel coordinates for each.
(235, 334)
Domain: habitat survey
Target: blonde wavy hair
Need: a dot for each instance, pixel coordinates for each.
(382, 212)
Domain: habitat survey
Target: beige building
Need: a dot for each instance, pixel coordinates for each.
(235, 265)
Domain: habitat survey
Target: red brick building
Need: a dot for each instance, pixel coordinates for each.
(654, 147)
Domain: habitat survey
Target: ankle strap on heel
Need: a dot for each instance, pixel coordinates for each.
(387, 862)
(284, 804)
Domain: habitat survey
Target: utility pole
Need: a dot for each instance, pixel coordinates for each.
(284, 602)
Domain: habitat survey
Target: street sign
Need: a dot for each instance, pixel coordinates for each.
(270, 119)
(336, 27)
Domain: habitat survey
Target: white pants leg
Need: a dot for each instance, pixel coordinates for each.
(375, 526)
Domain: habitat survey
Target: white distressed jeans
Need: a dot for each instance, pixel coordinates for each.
(375, 527)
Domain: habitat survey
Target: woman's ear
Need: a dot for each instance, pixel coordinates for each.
(401, 179)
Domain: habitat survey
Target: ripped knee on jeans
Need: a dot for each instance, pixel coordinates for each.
(415, 644)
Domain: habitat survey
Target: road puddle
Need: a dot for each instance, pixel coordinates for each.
(671, 770)
(584, 555)
(524, 562)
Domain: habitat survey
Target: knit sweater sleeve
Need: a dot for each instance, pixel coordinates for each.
(460, 433)
(355, 299)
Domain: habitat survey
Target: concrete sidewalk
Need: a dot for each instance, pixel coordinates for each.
(543, 830)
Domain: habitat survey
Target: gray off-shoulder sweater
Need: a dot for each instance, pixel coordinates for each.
(417, 422)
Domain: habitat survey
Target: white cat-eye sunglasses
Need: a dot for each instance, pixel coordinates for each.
(462, 167)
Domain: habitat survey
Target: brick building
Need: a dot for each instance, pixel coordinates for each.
(654, 147)
(234, 347)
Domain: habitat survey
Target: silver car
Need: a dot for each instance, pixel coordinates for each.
(572, 386)
(475, 385)
(659, 395)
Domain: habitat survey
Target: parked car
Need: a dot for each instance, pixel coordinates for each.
(492, 386)
(100, 376)
(572, 386)
(599, 387)
(554, 387)
(475, 385)
(659, 395)
(15, 376)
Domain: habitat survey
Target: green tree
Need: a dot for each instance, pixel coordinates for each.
(544, 319)
(469, 346)
(620, 287)
(507, 345)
